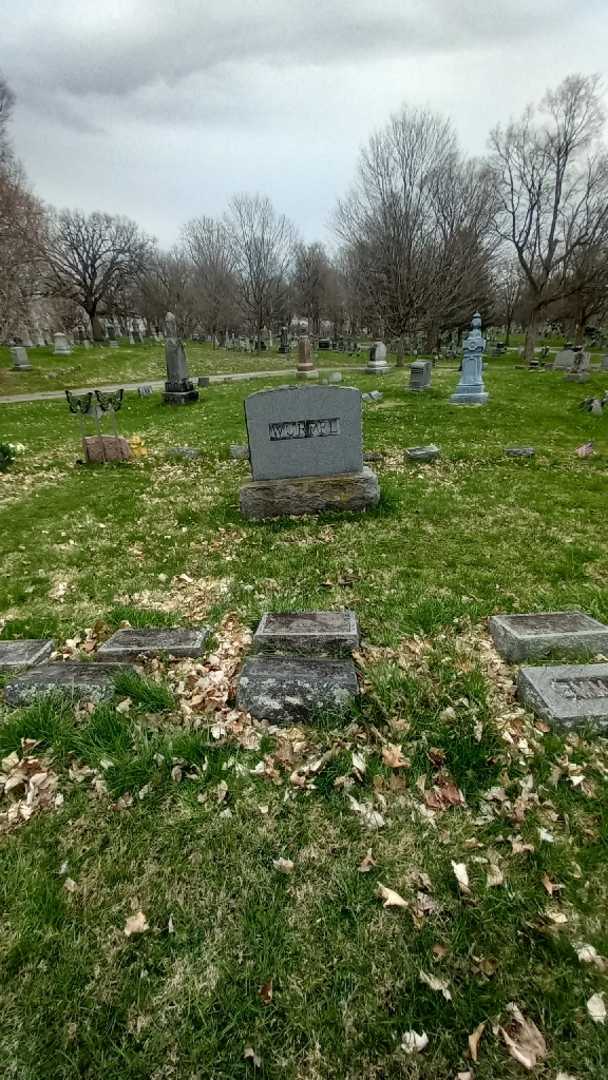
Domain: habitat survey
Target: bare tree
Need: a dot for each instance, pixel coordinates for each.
(93, 259)
(167, 284)
(551, 185)
(208, 243)
(508, 291)
(7, 101)
(415, 228)
(311, 280)
(262, 244)
(21, 231)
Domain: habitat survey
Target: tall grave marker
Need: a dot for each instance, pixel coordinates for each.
(179, 388)
(471, 390)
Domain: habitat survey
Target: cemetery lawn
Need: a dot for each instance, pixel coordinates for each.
(253, 862)
(101, 365)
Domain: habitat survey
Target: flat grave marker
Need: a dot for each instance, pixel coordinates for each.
(93, 681)
(568, 695)
(15, 655)
(527, 637)
(287, 689)
(128, 644)
(323, 633)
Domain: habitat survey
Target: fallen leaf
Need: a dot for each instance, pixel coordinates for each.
(440, 951)
(367, 863)
(413, 1043)
(266, 992)
(392, 756)
(565, 1076)
(495, 876)
(546, 836)
(597, 1008)
(123, 706)
(474, 1038)
(524, 1041)
(70, 885)
(587, 954)
(390, 897)
(557, 917)
(435, 984)
(249, 1054)
(136, 924)
(550, 886)
(284, 866)
(462, 877)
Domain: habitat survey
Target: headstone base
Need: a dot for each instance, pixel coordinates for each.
(99, 449)
(180, 397)
(307, 373)
(380, 368)
(264, 499)
(464, 397)
(287, 689)
(307, 633)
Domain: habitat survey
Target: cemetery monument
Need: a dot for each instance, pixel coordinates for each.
(470, 389)
(179, 388)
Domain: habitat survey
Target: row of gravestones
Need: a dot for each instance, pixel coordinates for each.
(301, 665)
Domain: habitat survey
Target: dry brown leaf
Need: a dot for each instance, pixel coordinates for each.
(265, 992)
(367, 863)
(414, 1043)
(440, 985)
(136, 924)
(550, 886)
(390, 897)
(495, 876)
(523, 1039)
(284, 866)
(587, 954)
(440, 951)
(462, 877)
(597, 1009)
(392, 756)
(474, 1038)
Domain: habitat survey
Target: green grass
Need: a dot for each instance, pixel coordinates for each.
(167, 812)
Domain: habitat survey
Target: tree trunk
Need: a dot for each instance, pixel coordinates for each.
(96, 327)
(531, 336)
(508, 333)
(579, 333)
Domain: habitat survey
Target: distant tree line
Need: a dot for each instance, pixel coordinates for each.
(424, 237)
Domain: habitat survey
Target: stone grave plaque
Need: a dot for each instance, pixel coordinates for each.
(15, 655)
(525, 637)
(422, 453)
(129, 644)
(569, 695)
(564, 360)
(287, 689)
(324, 633)
(304, 431)
(92, 681)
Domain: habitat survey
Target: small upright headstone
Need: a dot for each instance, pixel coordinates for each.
(305, 368)
(62, 347)
(605, 363)
(564, 360)
(179, 388)
(40, 342)
(144, 391)
(471, 390)
(420, 375)
(376, 364)
(20, 358)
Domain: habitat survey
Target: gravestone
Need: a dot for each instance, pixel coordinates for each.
(373, 396)
(103, 449)
(185, 453)
(564, 360)
(129, 644)
(420, 375)
(20, 358)
(305, 368)
(302, 665)
(284, 341)
(62, 347)
(376, 364)
(422, 453)
(320, 633)
(568, 695)
(471, 390)
(519, 451)
(40, 342)
(306, 452)
(144, 391)
(605, 363)
(179, 388)
(26, 340)
(92, 681)
(15, 655)
(527, 637)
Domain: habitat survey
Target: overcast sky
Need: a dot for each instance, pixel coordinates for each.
(161, 109)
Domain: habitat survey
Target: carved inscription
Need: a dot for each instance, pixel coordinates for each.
(586, 689)
(303, 429)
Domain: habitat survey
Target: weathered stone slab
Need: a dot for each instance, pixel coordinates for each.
(564, 360)
(526, 637)
(289, 689)
(80, 680)
(304, 431)
(20, 358)
(420, 375)
(129, 644)
(318, 633)
(569, 695)
(15, 655)
(185, 453)
(99, 449)
(519, 451)
(422, 453)
(264, 499)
